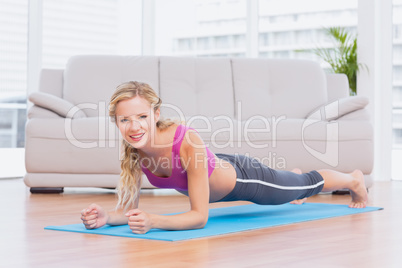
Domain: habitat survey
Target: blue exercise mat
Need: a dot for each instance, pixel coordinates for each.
(230, 220)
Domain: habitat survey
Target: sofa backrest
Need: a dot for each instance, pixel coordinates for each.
(196, 86)
(278, 87)
(337, 86)
(93, 79)
(191, 86)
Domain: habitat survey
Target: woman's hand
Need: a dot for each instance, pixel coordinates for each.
(94, 216)
(139, 221)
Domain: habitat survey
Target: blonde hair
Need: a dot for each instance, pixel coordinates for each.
(130, 176)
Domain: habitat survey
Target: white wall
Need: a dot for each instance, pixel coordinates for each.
(375, 50)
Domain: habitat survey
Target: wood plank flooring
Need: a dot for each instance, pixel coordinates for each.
(365, 240)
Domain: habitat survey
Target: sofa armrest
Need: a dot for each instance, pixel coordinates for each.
(39, 112)
(361, 114)
(339, 108)
(55, 104)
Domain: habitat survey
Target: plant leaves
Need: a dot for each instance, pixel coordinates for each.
(343, 57)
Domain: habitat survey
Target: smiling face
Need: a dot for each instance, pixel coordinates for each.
(136, 121)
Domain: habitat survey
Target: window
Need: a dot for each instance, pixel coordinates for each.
(200, 28)
(239, 41)
(69, 27)
(397, 91)
(13, 85)
(203, 43)
(72, 27)
(185, 44)
(397, 72)
(13, 72)
(292, 28)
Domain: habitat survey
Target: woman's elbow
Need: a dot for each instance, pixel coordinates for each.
(202, 221)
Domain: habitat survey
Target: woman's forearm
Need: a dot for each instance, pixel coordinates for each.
(184, 221)
(116, 218)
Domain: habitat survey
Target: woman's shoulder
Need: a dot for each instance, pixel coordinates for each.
(191, 138)
(179, 131)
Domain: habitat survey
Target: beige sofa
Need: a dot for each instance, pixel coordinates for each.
(287, 113)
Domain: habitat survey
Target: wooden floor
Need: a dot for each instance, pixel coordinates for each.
(371, 239)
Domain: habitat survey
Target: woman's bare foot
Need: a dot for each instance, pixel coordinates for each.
(298, 201)
(358, 191)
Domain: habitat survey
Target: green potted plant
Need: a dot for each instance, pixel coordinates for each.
(343, 57)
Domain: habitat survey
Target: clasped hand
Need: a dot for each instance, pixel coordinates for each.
(139, 221)
(95, 216)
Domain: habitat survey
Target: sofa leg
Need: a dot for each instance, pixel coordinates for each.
(46, 190)
(341, 192)
(344, 191)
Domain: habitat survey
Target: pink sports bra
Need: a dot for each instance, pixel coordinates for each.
(178, 178)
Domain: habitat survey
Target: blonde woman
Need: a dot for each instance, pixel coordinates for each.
(174, 156)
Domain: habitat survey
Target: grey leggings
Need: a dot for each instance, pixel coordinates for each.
(262, 185)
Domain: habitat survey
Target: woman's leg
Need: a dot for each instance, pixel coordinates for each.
(262, 185)
(334, 180)
(298, 201)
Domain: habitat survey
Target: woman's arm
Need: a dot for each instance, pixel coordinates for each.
(194, 160)
(118, 217)
(95, 216)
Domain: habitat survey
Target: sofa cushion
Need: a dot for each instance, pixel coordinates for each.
(89, 81)
(291, 143)
(93, 132)
(82, 132)
(278, 87)
(289, 129)
(91, 145)
(196, 86)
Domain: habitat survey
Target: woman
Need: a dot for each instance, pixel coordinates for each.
(174, 156)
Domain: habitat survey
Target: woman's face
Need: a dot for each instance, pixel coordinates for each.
(136, 121)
